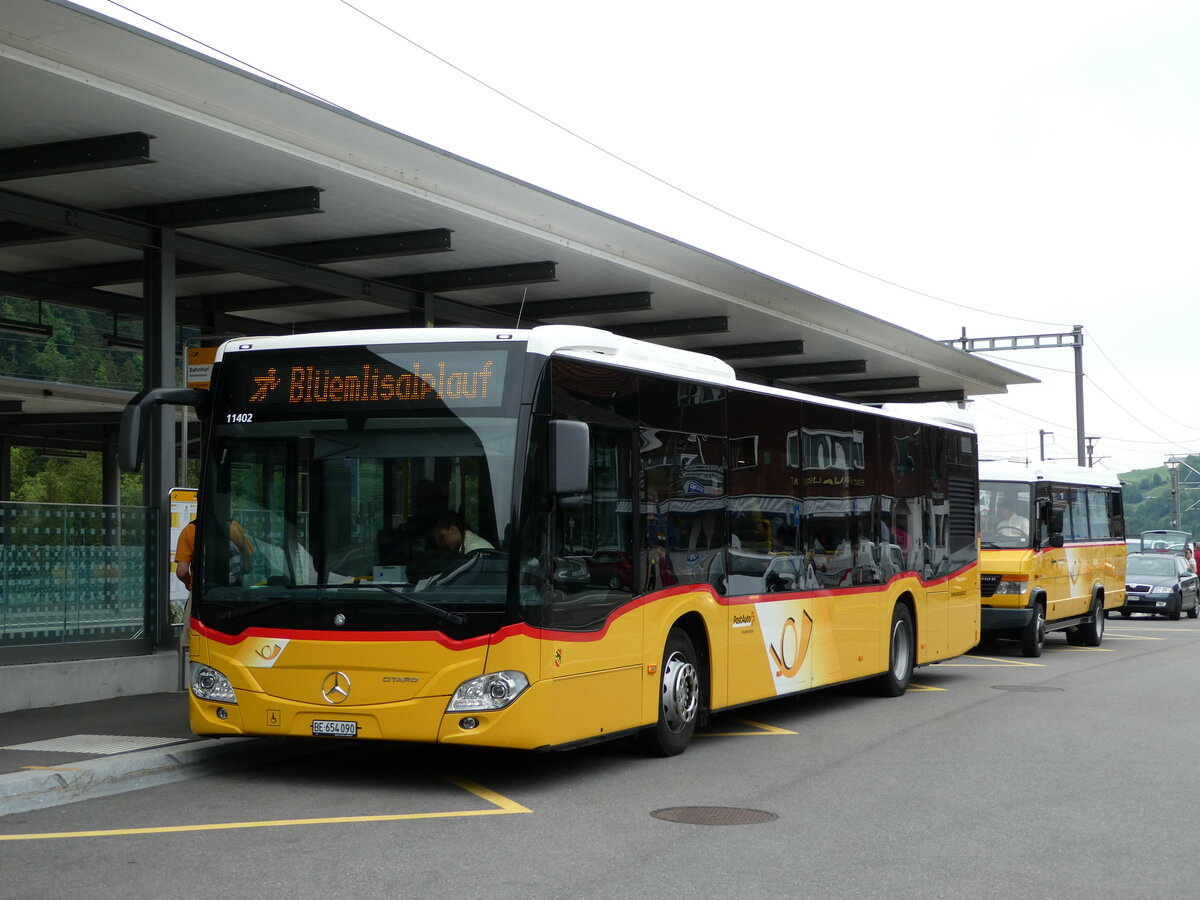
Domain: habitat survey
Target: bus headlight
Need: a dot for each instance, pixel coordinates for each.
(209, 684)
(1012, 587)
(493, 691)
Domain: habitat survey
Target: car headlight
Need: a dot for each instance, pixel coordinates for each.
(209, 684)
(493, 691)
(1012, 587)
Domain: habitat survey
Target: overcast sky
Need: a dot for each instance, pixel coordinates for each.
(1010, 169)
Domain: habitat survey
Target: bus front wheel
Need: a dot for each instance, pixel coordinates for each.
(1033, 635)
(678, 698)
(901, 654)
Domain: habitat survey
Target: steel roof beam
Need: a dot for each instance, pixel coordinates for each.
(445, 311)
(867, 385)
(373, 246)
(577, 306)
(411, 285)
(755, 351)
(369, 246)
(809, 370)
(175, 214)
(673, 328)
(82, 155)
(474, 279)
(947, 396)
(126, 232)
(223, 210)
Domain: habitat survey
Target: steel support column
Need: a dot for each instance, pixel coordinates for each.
(158, 474)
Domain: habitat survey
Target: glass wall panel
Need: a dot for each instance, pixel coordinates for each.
(76, 573)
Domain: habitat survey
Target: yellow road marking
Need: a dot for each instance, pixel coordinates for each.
(987, 661)
(503, 807)
(762, 729)
(1067, 648)
(924, 687)
(1109, 636)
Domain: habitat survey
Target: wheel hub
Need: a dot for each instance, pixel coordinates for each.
(681, 692)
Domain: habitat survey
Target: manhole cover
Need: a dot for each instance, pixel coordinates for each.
(713, 815)
(1030, 688)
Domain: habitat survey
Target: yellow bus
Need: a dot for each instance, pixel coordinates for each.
(546, 537)
(1053, 551)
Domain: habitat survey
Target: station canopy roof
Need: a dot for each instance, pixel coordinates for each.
(287, 214)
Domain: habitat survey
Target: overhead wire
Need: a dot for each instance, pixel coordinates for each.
(668, 184)
(1117, 369)
(674, 187)
(229, 56)
(579, 137)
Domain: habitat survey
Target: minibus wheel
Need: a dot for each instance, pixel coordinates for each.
(1033, 635)
(1092, 634)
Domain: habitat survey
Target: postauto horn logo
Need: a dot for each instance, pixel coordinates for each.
(793, 645)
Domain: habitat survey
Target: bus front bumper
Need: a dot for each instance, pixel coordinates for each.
(995, 619)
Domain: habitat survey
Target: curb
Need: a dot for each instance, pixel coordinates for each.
(44, 788)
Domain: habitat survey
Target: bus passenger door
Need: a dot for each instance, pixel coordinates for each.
(934, 632)
(594, 627)
(1051, 565)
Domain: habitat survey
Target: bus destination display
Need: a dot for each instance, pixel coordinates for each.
(366, 380)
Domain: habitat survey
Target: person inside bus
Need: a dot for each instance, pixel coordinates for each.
(240, 551)
(415, 535)
(1009, 520)
(454, 538)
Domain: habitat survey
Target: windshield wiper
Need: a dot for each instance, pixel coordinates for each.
(443, 614)
(253, 608)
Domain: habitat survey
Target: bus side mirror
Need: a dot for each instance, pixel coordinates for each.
(570, 452)
(1056, 520)
(136, 414)
(1056, 539)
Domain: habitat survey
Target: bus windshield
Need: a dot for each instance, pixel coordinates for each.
(316, 512)
(338, 501)
(1004, 512)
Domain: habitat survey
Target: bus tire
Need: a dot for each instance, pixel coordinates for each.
(1033, 635)
(1091, 634)
(901, 655)
(678, 698)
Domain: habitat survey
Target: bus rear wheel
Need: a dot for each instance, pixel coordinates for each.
(901, 655)
(678, 698)
(1091, 634)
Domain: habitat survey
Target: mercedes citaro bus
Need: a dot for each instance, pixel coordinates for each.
(541, 538)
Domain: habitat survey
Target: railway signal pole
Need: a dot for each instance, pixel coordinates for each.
(1073, 339)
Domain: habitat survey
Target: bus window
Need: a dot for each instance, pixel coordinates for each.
(1098, 514)
(1076, 528)
(683, 506)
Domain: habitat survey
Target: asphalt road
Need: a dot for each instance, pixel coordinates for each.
(1066, 776)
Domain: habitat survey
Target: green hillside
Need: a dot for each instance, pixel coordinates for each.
(1148, 502)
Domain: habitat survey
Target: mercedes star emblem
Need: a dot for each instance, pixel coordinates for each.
(336, 687)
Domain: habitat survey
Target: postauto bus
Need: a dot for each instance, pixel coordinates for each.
(1053, 551)
(540, 538)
